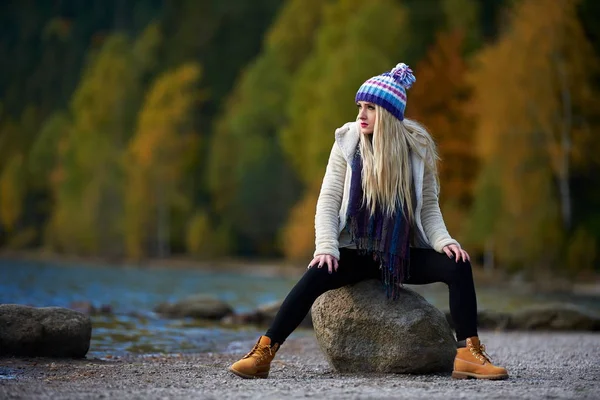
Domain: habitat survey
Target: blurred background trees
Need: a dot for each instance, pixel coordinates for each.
(143, 128)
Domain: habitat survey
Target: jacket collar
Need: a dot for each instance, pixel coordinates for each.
(347, 138)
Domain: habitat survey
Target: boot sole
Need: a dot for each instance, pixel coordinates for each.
(470, 375)
(262, 375)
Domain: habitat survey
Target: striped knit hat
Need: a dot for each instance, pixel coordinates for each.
(388, 90)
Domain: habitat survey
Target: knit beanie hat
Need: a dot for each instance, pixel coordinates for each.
(388, 90)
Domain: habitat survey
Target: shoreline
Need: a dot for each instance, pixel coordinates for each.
(267, 267)
(540, 365)
(281, 268)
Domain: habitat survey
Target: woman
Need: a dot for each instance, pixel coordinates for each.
(378, 216)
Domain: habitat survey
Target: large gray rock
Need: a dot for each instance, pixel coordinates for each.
(43, 332)
(197, 306)
(360, 330)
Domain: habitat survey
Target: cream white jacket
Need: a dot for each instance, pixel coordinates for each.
(330, 218)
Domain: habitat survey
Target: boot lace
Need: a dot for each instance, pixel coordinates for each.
(260, 352)
(480, 354)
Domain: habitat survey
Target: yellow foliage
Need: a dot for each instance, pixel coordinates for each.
(292, 32)
(439, 101)
(86, 182)
(198, 234)
(527, 87)
(298, 236)
(524, 71)
(203, 240)
(157, 154)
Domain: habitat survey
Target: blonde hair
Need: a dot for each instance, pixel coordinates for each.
(386, 174)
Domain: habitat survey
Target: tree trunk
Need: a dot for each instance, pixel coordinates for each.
(565, 146)
(162, 223)
(488, 256)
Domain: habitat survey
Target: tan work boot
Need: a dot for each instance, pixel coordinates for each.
(257, 363)
(473, 362)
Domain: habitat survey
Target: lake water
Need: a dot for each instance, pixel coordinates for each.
(132, 294)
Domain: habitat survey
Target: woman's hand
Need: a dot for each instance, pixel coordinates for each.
(451, 250)
(322, 259)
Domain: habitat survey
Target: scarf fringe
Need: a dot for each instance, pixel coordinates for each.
(393, 269)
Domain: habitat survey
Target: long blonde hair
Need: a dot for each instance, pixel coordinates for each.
(386, 174)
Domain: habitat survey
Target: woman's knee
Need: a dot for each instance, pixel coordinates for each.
(459, 269)
(317, 278)
(463, 268)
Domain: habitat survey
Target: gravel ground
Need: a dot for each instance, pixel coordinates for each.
(541, 365)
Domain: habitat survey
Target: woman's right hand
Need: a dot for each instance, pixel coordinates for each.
(322, 259)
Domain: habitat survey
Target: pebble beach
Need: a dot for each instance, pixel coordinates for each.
(542, 365)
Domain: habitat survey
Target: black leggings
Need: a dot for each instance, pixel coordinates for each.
(426, 266)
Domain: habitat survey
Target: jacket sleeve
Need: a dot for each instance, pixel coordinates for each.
(431, 215)
(329, 204)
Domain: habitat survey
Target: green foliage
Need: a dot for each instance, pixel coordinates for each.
(463, 15)
(203, 240)
(423, 20)
(251, 185)
(221, 35)
(45, 45)
(346, 54)
(44, 151)
(486, 211)
(291, 37)
(146, 49)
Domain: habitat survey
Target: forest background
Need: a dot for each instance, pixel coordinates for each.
(144, 129)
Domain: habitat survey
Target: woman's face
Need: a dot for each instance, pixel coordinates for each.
(366, 117)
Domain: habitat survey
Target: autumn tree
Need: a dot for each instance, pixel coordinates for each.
(155, 163)
(532, 98)
(439, 100)
(87, 180)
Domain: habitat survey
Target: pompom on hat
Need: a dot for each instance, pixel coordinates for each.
(388, 90)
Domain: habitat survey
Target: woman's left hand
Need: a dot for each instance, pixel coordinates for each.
(451, 250)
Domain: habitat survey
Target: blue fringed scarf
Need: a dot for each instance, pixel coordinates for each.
(386, 237)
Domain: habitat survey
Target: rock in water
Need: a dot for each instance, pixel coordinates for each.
(43, 332)
(197, 306)
(270, 310)
(555, 317)
(360, 330)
